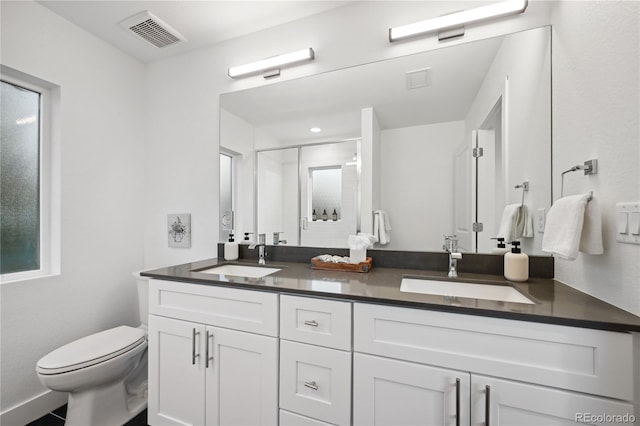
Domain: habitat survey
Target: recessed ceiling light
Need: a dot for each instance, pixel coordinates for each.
(315, 130)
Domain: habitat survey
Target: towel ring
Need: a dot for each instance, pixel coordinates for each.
(525, 188)
(590, 168)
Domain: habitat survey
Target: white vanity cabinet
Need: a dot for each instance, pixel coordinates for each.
(315, 361)
(213, 355)
(416, 366)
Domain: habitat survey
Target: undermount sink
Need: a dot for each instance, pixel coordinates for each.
(241, 270)
(497, 292)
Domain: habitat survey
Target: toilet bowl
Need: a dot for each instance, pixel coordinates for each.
(105, 373)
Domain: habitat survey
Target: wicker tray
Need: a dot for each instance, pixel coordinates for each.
(348, 267)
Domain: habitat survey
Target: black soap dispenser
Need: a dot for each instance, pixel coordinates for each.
(501, 247)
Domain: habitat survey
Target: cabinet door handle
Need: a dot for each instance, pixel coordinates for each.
(457, 402)
(487, 404)
(311, 385)
(193, 346)
(312, 323)
(206, 349)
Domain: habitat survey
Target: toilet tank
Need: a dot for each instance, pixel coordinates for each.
(143, 299)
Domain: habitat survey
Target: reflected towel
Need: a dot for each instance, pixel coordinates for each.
(516, 223)
(565, 228)
(381, 227)
(508, 221)
(524, 224)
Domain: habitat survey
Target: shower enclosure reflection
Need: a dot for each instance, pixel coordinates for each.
(309, 193)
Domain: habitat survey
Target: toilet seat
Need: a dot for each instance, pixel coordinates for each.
(91, 350)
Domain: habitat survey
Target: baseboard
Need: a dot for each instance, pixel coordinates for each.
(32, 409)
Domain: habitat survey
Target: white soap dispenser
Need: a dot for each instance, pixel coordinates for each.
(230, 249)
(516, 264)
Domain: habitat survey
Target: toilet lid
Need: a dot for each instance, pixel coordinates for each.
(91, 350)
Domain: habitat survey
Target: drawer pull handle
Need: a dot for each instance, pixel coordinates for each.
(457, 402)
(487, 404)
(312, 323)
(193, 347)
(311, 385)
(206, 352)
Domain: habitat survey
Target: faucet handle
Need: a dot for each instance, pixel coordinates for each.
(450, 243)
(262, 238)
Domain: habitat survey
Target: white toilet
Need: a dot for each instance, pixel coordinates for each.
(105, 373)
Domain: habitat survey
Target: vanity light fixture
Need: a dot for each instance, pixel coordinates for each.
(271, 66)
(458, 19)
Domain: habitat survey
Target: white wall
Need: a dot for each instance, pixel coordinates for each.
(419, 211)
(102, 127)
(595, 115)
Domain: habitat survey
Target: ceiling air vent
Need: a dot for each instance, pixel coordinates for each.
(152, 29)
(418, 78)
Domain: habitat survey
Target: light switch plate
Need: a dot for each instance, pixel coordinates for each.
(628, 232)
(539, 220)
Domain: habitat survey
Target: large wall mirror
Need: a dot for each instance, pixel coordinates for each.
(437, 140)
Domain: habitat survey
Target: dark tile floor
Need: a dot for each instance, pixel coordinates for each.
(56, 418)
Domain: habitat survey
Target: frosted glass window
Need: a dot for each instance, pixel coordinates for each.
(20, 179)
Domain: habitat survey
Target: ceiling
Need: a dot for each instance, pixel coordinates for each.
(202, 23)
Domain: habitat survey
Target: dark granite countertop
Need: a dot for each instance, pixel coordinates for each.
(555, 302)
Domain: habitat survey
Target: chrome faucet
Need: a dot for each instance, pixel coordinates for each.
(451, 246)
(277, 240)
(262, 238)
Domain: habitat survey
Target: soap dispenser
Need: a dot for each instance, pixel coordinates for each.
(501, 247)
(246, 240)
(516, 264)
(230, 249)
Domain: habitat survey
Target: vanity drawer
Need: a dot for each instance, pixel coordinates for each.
(315, 382)
(244, 310)
(585, 360)
(292, 419)
(316, 321)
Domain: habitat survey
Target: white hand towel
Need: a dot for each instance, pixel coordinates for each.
(524, 224)
(591, 240)
(563, 229)
(381, 227)
(507, 222)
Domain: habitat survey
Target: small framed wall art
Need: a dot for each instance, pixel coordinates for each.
(179, 228)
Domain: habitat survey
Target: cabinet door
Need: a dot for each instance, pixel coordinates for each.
(513, 404)
(176, 372)
(392, 392)
(241, 378)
